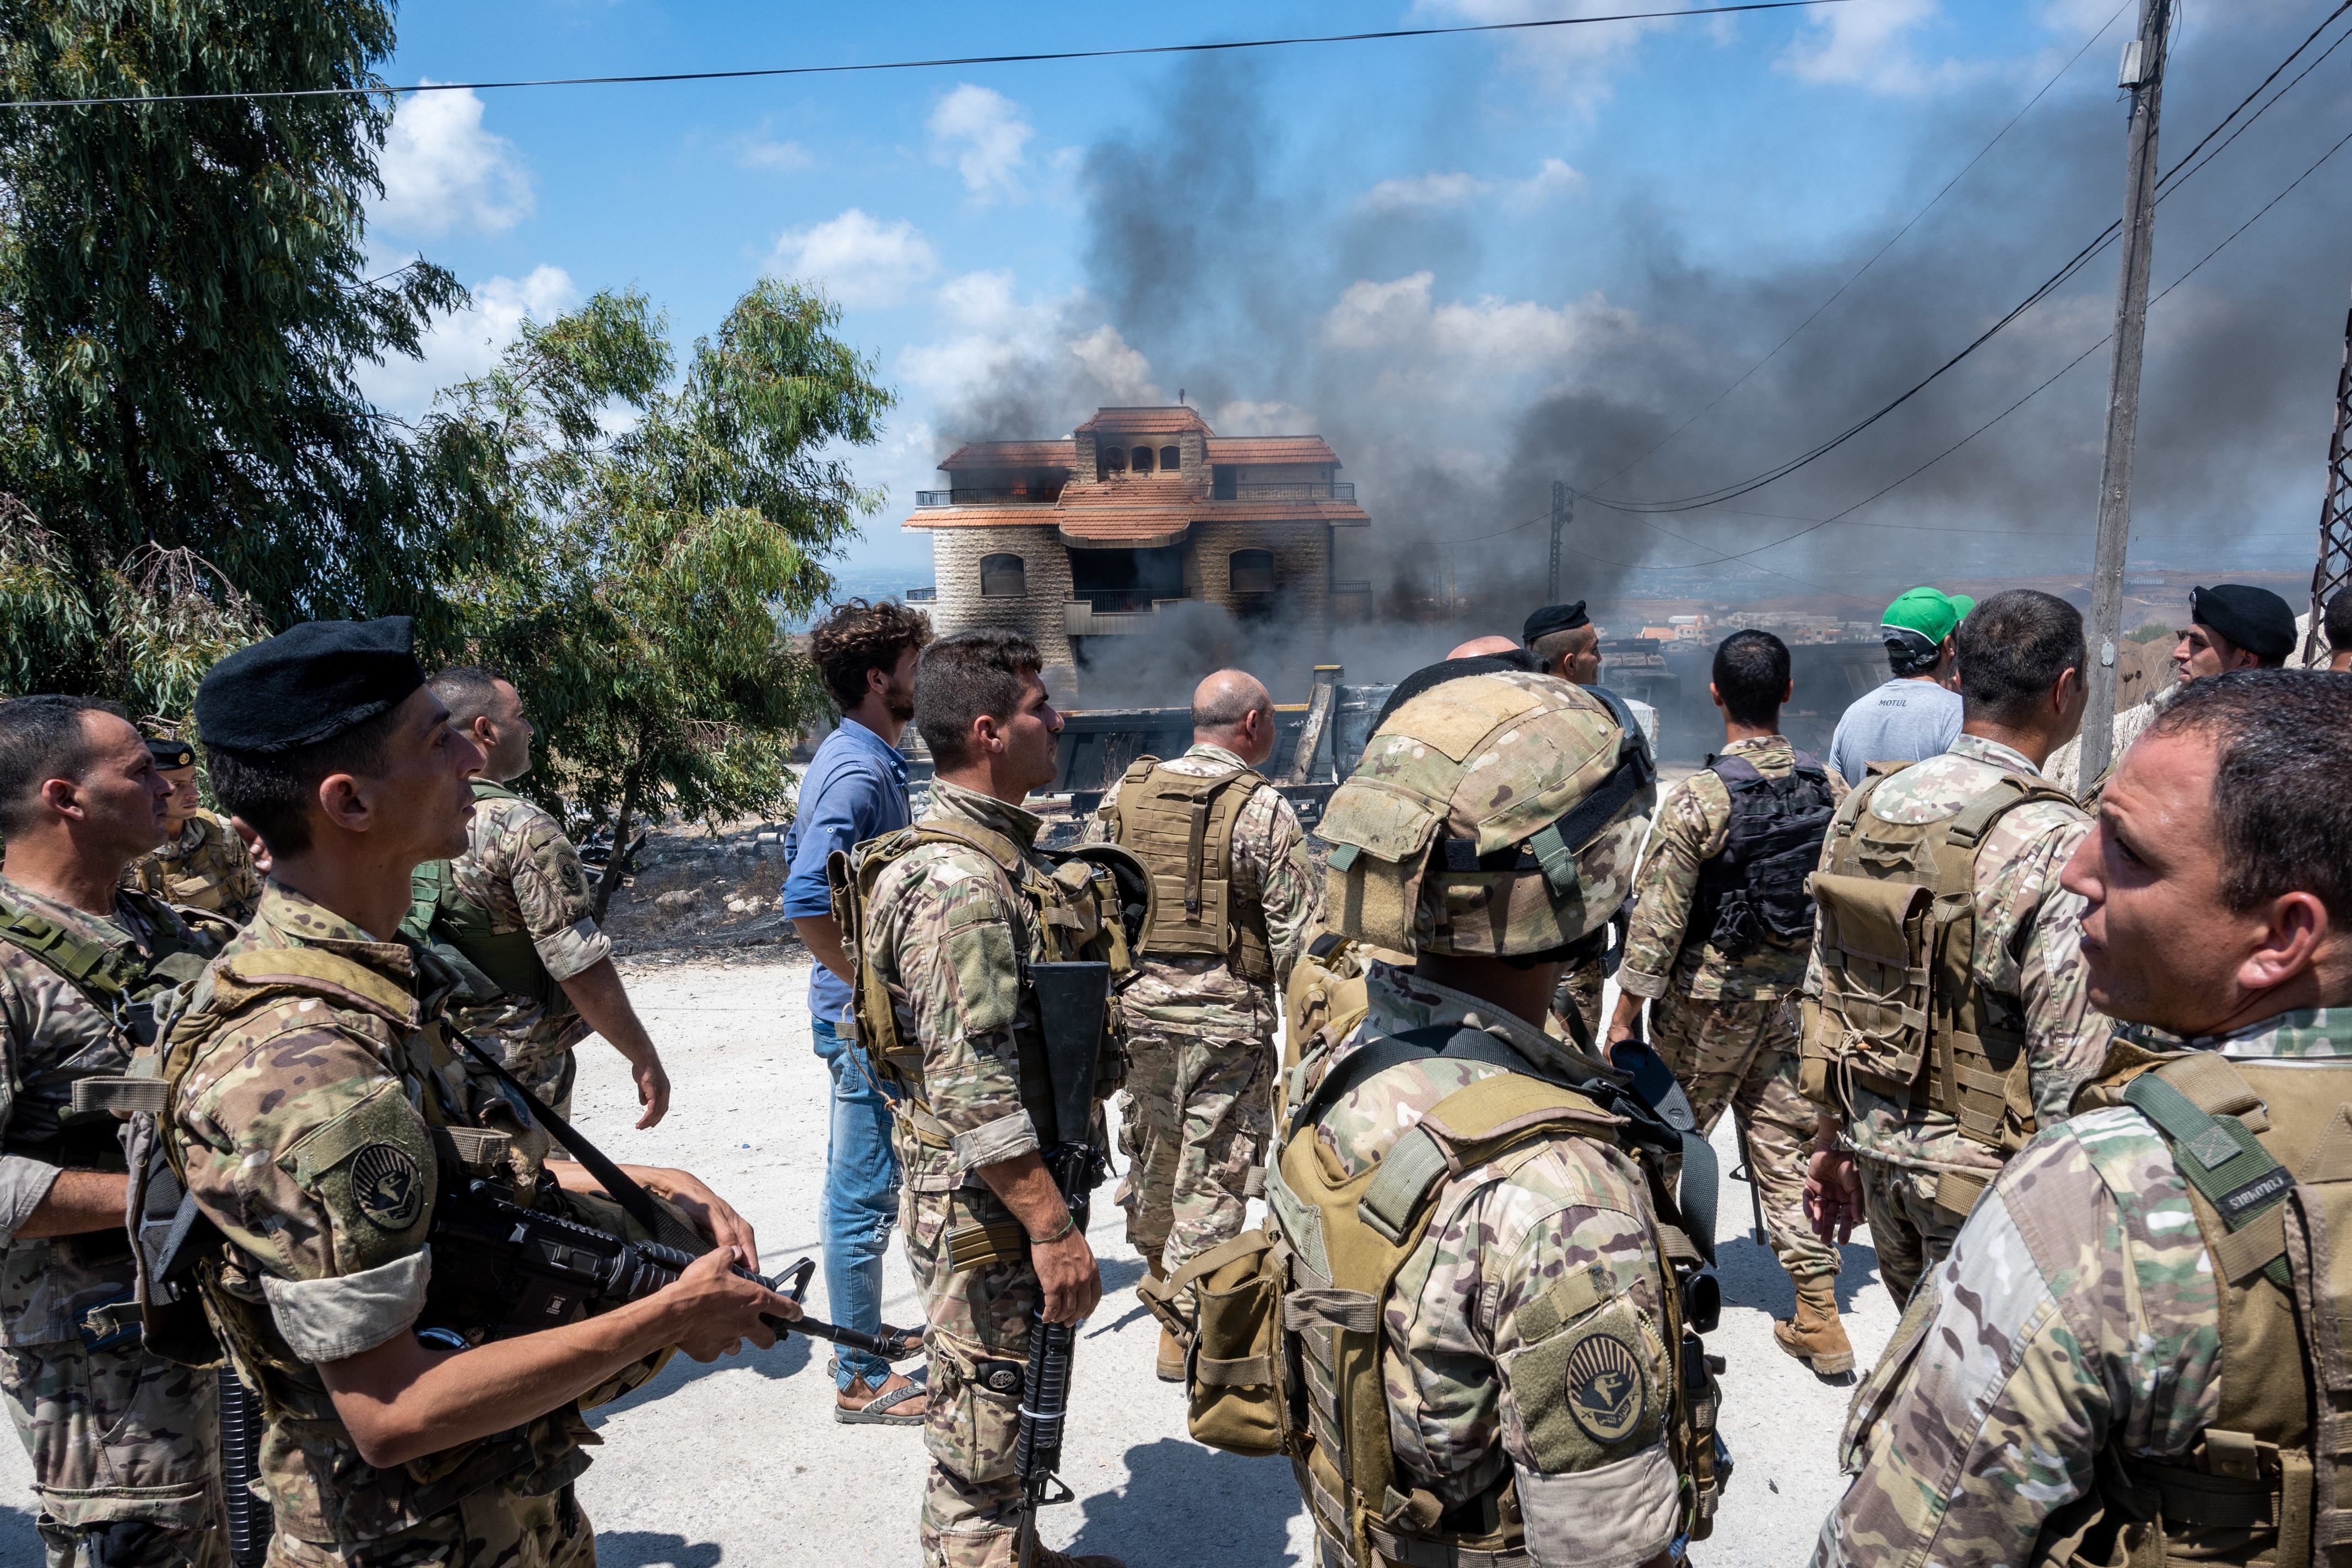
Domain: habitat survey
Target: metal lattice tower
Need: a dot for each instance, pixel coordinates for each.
(2333, 571)
(1562, 512)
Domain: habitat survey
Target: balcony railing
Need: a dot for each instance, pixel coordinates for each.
(1302, 490)
(1353, 585)
(1081, 619)
(922, 595)
(961, 496)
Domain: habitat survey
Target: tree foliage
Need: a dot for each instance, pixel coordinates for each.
(183, 297)
(638, 610)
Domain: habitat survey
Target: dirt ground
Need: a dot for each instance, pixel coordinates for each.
(740, 1462)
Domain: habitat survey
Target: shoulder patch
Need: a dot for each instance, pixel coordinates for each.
(388, 1186)
(1604, 1386)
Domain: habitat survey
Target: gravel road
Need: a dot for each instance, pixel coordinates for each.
(740, 1462)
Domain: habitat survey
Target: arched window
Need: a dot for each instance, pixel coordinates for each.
(1113, 460)
(1143, 459)
(1251, 571)
(1171, 458)
(1003, 577)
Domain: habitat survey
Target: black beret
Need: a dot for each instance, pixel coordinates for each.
(172, 753)
(308, 683)
(2254, 618)
(1554, 618)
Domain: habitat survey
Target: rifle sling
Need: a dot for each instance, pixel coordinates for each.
(618, 1183)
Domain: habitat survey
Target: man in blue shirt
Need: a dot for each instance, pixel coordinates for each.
(1916, 714)
(855, 789)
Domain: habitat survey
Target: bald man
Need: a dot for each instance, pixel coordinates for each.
(1477, 646)
(1201, 1018)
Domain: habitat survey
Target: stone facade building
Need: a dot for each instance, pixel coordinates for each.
(1136, 511)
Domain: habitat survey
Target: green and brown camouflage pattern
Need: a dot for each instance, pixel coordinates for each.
(942, 932)
(1491, 760)
(116, 1436)
(1502, 1235)
(2078, 1309)
(1693, 825)
(204, 866)
(1200, 1039)
(262, 1077)
(520, 867)
(1580, 992)
(2028, 949)
(1741, 1056)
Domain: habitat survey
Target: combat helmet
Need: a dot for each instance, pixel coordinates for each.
(1496, 815)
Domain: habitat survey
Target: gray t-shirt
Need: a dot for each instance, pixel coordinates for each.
(1902, 722)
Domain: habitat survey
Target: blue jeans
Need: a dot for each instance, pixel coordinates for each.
(861, 1200)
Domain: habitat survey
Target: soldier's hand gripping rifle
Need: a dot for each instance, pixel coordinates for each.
(1072, 1004)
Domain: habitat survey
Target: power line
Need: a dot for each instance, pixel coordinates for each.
(2176, 179)
(1031, 59)
(1876, 255)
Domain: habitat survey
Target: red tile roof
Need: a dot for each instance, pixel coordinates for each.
(1013, 455)
(1140, 421)
(1271, 449)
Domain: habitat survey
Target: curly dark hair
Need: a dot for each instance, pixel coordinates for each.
(855, 636)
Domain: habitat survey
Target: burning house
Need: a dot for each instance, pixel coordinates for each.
(1137, 511)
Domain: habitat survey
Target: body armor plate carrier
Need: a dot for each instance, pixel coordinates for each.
(1756, 888)
(493, 964)
(1181, 827)
(1900, 1010)
(2265, 1148)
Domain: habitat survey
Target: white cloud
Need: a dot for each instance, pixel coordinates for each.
(984, 136)
(1580, 62)
(784, 157)
(1872, 47)
(1440, 193)
(1500, 336)
(1122, 372)
(859, 259)
(441, 169)
(466, 344)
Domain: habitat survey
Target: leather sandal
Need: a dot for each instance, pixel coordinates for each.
(882, 1409)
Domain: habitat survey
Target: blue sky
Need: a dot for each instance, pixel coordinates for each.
(1477, 264)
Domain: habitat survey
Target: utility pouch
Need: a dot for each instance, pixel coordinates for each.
(1227, 1305)
(1877, 945)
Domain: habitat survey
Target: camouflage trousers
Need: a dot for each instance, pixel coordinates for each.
(1911, 1231)
(1742, 1055)
(123, 1450)
(496, 1527)
(1580, 992)
(978, 1350)
(1199, 1119)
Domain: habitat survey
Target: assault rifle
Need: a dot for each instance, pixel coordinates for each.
(1072, 1000)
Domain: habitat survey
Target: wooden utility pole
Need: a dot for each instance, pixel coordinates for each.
(1563, 512)
(2143, 75)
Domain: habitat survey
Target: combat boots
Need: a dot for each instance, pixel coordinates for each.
(1170, 1364)
(1815, 1336)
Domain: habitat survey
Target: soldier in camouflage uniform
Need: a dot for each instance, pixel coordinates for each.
(1723, 1019)
(1527, 1332)
(1919, 1169)
(123, 1444)
(201, 863)
(315, 1113)
(517, 905)
(948, 905)
(1200, 1026)
(2107, 1370)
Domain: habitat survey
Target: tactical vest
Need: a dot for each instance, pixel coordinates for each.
(1330, 1257)
(1092, 907)
(2266, 1149)
(1900, 1010)
(352, 1500)
(1755, 887)
(460, 931)
(1181, 827)
(123, 985)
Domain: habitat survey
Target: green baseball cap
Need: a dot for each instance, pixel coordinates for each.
(1930, 612)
